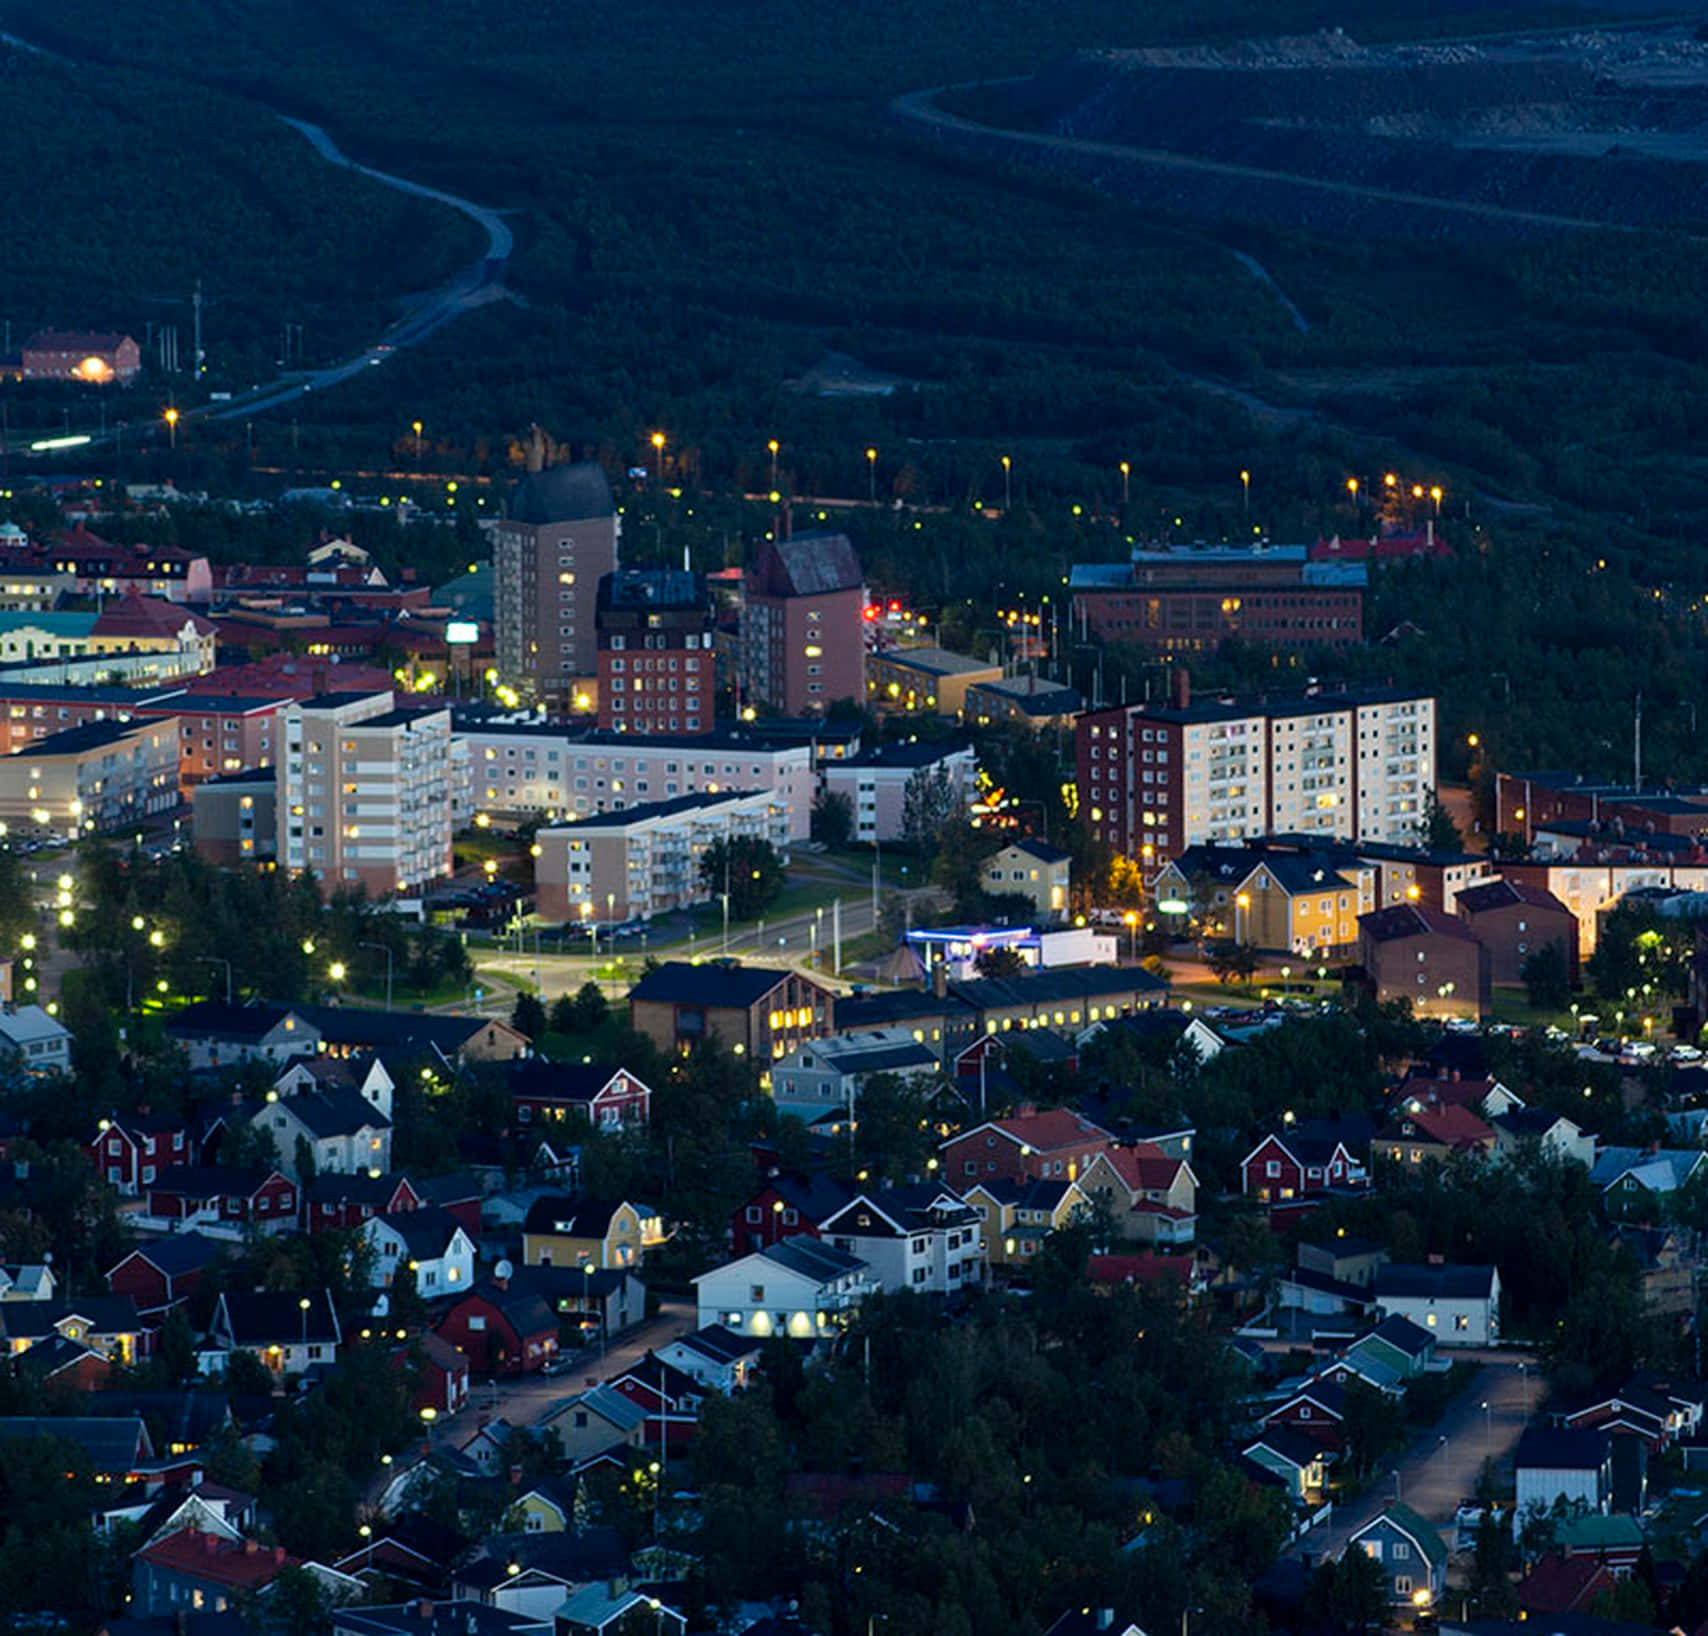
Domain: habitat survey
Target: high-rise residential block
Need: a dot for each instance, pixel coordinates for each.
(803, 637)
(657, 672)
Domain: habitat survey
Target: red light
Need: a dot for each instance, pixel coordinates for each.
(895, 605)
(870, 611)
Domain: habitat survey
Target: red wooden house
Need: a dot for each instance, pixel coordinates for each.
(1311, 1156)
(1318, 1409)
(225, 1196)
(1055, 1144)
(670, 1398)
(161, 1274)
(443, 1381)
(785, 1207)
(333, 1201)
(501, 1331)
(131, 1151)
(546, 1092)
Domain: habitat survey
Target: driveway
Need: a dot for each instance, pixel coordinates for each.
(1440, 1468)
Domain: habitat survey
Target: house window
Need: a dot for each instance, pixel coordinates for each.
(756, 1295)
(1462, 1322)
(581, 1420)
(1273, 1168)
(1400, 1551)
(1304, 1411)
(477, 1323)
(1429, 1318)
(1402, 1582)
(755, 1214)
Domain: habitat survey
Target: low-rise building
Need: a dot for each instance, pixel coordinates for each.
(103, 775)
(923, 1239)
(928, 680)
(755, 1011)
(34, 1040)
(1015, 1217)
(1513, 922)
(1431, 960)
(1411, 1553)
(1458, 1305)
(828, 1073)
(800, 1288)
(875, 782)
(1026, 701)
(1036, 871)
(430, 1244)
(285, 1331)
(647, 860)
(590, 1233)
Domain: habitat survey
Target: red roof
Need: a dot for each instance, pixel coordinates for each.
(291, 675)
(1051, 1129)
(150, 616)
(1144, 1167)
(240, 1564)
(73, 340)
(1453, 1127)
(1431, 1092)
(1560, 1584)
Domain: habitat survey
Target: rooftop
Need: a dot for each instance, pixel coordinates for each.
(574, 493)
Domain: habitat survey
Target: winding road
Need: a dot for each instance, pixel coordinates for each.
(477, 284)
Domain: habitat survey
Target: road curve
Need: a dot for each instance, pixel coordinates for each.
(920, 108)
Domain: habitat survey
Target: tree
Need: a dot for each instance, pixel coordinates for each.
(1547, 978)
(1233, 960)
(1436, 831)
(1493, 1563)
(528, 1017)
(748, 868)
(930, 803)
(999, 962)
(832, 819)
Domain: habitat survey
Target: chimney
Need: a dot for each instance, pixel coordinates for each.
(1105, 1618)
(500, 1283)
(1180, 687)
(249, 1546)
(940, 979)
(516, 1476)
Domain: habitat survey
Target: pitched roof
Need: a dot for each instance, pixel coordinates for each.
(522, 1309)
(1506, 894)
(1143, 1167)
(823, 1263)
(808, 565)
(606, 1402)
(112, 1444)
(426, 1233)
(1550, 1448)
(242, 1565)
(570, 493)
(1289, 1442)
(1450, 1126)
(1046, 1130)
(150, 617)
(215, 1019)
(1403, 920)
(1402, 1334)
(720, 1345)
(340, 1111)
(1443, 1282)
(263, 1317)
(212, 1181)
(1042, 851)
(360, 1026)
(1558, 1583)
(1422, 1534)
(575, 1218)
(714, 983)
(1661, 1170)
(104, 1314)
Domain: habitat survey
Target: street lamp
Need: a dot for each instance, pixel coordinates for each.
(217, 960)
(415, 426)
(1435, 494)
(658, 453)
(1007, 483)
(336, 971)
(386, 951)
(1126, 481)
(871, 476)
(1241, 904)
(773, 446)
(172, 418)
(1245, 493)
(1132, 935)
(1488, 1432)
(302, 1306)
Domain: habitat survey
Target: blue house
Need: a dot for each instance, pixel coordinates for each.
(1411, 1553)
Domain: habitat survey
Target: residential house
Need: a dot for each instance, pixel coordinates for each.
(27, 1280)
(564, 1232)
(602, 1301)
(1307, 1158)
(501, 1330)
(430, 1243)
(1668, 1266)
(116, 1446)
(1398, 1345)
(716, 1357)
(1514, 922)
(222, 1200)
(325, 1132)
(1636, 1183)
(129, 1152)
(286, 1331)
(1317, 1408)
(1016, 1217)
(593, 1421)
(1149, 1196)
(1087, 1622)
(1648, 1405)
(800, 1288)
(216, 1035)
(361, 1031)
(921, 1238)
(1560, 1583)
(106, 1324)
(1552, 1133)
(544, 1093)
(164, 1272)
(193, 1572)
(828, 1073)
(1445, 1086)
(442, 1384)
(1410, 1551)
(535, 1572)
(1031, 1145)
(1554, 1464)
(34, 1040)
(759, 1012)
(1299, 1461)
(340, 1202)
(670, 1398)
(602, 1609)
(369, 1077)
(1431, 960)
(1352, 1261)
(1459, 1305)
(1035, 870)
(786, 1206)
(1433, 1136)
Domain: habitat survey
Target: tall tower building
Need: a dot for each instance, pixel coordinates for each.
(803, 632)
(656, 666)
(557, 541)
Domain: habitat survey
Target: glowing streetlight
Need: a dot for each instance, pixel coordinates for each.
(171, 418)
(1007, 483)
(1435, 494)
(871, 475)
(1391, 480)
(1126, 481)
(336, 971)
(415, 427)
(658, 452)
(1245, 492)
(773, 446)
(1352, 489)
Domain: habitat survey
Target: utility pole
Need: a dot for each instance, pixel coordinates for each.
(196, 308)
(836, 936)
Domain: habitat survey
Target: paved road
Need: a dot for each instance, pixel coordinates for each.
(1441, 1467)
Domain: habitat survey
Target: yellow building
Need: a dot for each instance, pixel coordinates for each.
(1305, 903)
(924, 679)
(561, 1232)
(1033, 870)
(1017, 1216)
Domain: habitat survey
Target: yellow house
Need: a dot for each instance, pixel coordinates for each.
(548, 1507)
(1034, 870)
(564, 1232)
(1017, 1216)
(1150, 1196)
(1305, 903)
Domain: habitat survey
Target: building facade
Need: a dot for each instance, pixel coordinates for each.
(103, 775)
(364, 793)
(803, 629)
(875, 782)
(647, 860)
(558, 541)
(657, 672)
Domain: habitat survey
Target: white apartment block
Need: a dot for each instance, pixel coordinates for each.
(646, 860)
(1154, 780)
(524, 770)
(875, 782)
(364, 793)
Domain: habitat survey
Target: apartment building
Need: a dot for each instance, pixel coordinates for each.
(875, 782)
(99, 776)
(803, 630)
(657, 671)
(1156, 779)
(234, 818)
(557, 542)
(515, 770)
(646, 860)
(364, 793)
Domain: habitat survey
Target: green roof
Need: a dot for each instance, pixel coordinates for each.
(55, 624)
(1594, 1533)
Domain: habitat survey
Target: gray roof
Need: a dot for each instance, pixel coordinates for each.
(1441, 1282)
(562, 494)
(812, 1259)
(336, 1112)
(112, 1444)
(1661, 1170)
(711, 984)
(808, 565)
(1550, 1448)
